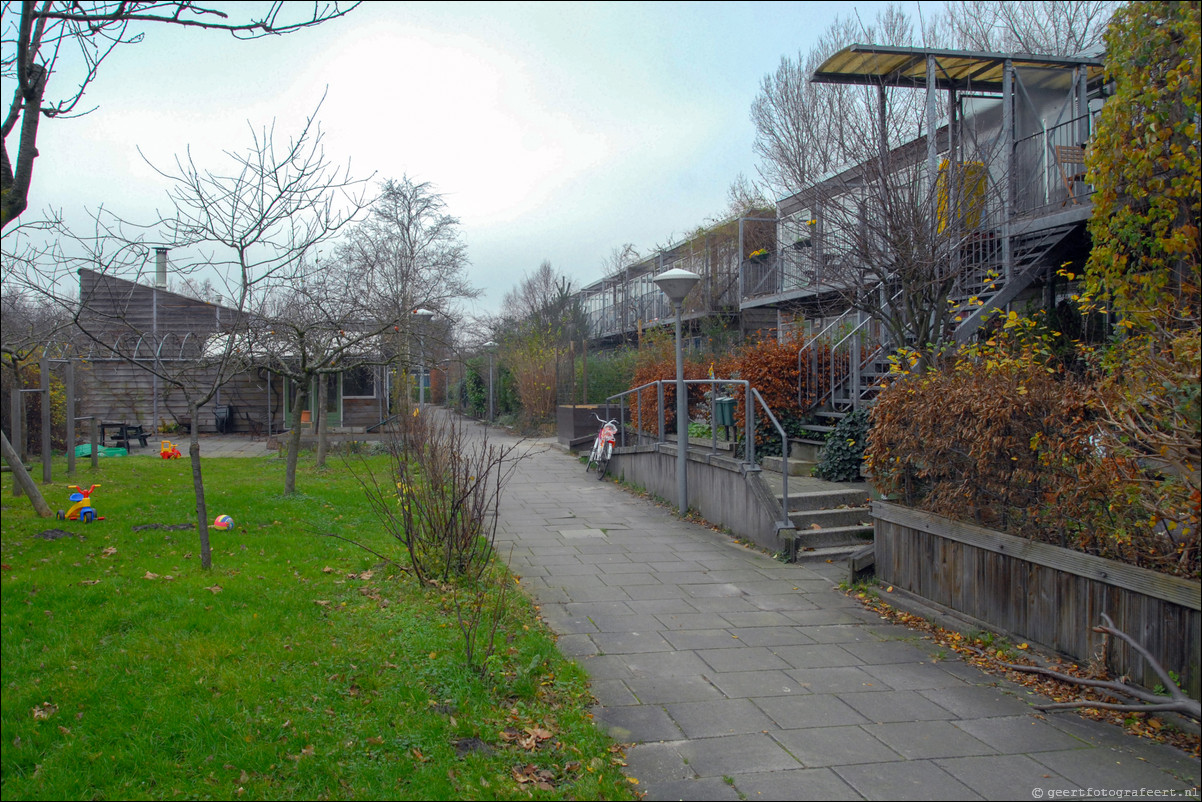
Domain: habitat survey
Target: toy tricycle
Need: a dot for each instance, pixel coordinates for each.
(82, 510)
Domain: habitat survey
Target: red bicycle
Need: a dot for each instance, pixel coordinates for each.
(603, 447)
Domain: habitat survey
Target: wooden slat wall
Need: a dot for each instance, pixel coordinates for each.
(1035, 592)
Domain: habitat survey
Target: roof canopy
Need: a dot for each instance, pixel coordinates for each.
(954, 69)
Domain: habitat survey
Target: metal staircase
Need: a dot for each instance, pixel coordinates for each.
(858, 357)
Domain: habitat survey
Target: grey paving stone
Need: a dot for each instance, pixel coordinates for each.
(692, 620)
(769, 635)
(723, 605)
(916, 740)
(819, 655)
(762, 618)
(736, 754)
(666, 664)
(782, 602)
(979, 701)
(702, 639)
(662, 690)
(850, 633)
(578, 609)
(659, 762)
(612, 692)
(834, 746)
(821, 616)
(602, 592)
(915, 676)
(749, 658)
(1005, 776)
(627, 642)
(1110, 769)
(843, 679)
(658, 592)
(794, 784)
(605, 666)
(660, 607)
(1015, 734)
(576, 646)
(887, 652)
(741, 684)
(810, 710)
(916, 779)
(719, 717)
(636, 723)
(625, 623)
(717, 589)
(896, 706)
(702, 789)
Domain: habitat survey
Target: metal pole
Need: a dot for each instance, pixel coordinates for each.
(46, 455)
(17, 416)
(421, 374)
(682, 423)
(69, 380)
(490, 388)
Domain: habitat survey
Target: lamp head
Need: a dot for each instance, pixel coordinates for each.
(676, 283)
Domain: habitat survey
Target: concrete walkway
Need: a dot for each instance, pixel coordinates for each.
(739, 677)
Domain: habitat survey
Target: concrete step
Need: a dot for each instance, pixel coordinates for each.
(850, 537)
(830, 554)
(831, 518)
(797, 467)
(855, 494)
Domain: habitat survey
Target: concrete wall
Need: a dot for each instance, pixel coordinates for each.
(717, 489)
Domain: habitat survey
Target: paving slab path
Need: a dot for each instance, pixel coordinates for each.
(736, 676)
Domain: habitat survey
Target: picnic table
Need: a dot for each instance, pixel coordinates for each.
(123, 434)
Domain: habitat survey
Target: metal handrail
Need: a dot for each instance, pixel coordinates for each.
(750, 394)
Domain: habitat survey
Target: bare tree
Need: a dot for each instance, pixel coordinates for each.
(1045, 27)
(312, 331)
(261, 219)
(34, 35)
(803, 129)
(408, 255)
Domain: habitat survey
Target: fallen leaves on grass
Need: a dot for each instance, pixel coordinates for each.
(539, 778)
(308, 751)
(45, 710)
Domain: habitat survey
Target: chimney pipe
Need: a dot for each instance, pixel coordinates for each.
(160, 268)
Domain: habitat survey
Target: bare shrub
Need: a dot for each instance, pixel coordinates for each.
(441, 496)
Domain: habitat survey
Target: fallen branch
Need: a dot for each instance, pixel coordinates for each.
(1176, 702)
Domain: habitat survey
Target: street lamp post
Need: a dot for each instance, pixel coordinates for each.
(676, 284)
(490, 346)
(424, 316)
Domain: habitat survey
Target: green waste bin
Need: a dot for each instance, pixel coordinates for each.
(724, 411)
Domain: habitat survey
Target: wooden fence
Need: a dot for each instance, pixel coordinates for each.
(1040, 593)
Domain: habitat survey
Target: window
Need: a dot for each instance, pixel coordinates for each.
(359, 382)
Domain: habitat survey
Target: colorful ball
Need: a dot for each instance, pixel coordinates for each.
(223, 522)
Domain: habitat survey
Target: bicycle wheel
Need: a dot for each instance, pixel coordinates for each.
(592, 459)
(603, 463)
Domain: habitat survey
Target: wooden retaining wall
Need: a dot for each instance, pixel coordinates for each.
(1036, 592)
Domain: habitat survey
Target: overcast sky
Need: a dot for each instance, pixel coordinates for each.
(554, 131)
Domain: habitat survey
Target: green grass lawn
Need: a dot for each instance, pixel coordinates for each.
(299, 667)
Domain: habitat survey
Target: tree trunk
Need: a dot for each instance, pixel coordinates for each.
(198, 486)
(22, 479)
(323, 398)
(302, 397)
